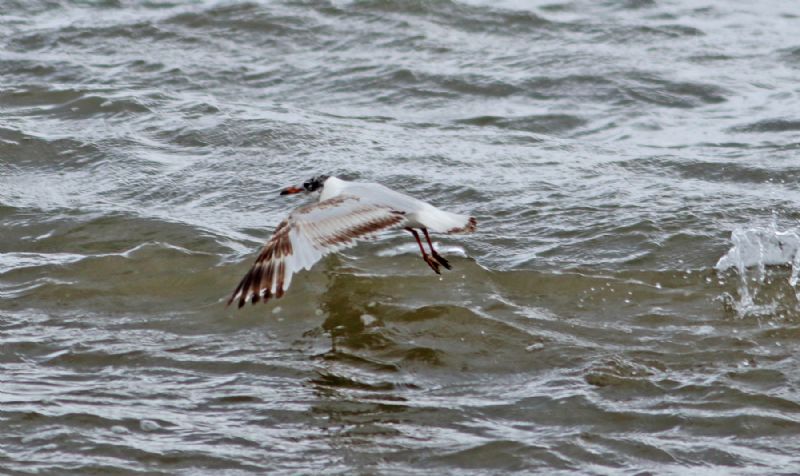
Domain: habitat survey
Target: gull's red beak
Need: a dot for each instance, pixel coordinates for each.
(292, 190)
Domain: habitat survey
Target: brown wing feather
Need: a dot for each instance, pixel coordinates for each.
(261, 274)
(327, 226)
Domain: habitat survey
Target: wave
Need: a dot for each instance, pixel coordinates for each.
(769, 125)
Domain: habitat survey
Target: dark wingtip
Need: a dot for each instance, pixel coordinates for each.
(235, 292)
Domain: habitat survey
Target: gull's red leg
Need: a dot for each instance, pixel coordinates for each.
(431, 261)
(435, 255)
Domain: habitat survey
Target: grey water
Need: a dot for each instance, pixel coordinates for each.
(628, 304)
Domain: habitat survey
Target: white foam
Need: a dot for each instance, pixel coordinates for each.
(18, 260)
(368, 320)
(413, 249)
(149, 425)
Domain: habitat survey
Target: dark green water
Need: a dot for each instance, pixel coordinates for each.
(627, 306)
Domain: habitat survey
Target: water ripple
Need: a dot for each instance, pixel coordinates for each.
(612, 153)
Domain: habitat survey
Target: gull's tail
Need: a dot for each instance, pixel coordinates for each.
(446, 222)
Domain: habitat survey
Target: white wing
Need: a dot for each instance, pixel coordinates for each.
(309, 233)
(419, 213)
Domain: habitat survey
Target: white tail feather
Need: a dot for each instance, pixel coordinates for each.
(445, 222)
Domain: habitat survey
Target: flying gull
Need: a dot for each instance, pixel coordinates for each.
(346, 212)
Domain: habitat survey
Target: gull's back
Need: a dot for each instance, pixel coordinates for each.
(420, 214)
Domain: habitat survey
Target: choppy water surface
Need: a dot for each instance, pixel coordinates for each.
(629, 303)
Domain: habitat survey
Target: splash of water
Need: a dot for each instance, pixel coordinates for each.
(753, 251)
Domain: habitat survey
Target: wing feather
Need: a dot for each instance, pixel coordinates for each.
(308, 234)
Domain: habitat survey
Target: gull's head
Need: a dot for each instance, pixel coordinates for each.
(313, 184)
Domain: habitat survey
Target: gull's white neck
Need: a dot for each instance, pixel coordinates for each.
(332, 187)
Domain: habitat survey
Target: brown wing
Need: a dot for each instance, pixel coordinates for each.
(308, 234)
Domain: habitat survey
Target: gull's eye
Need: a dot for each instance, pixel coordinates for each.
(308, 186)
